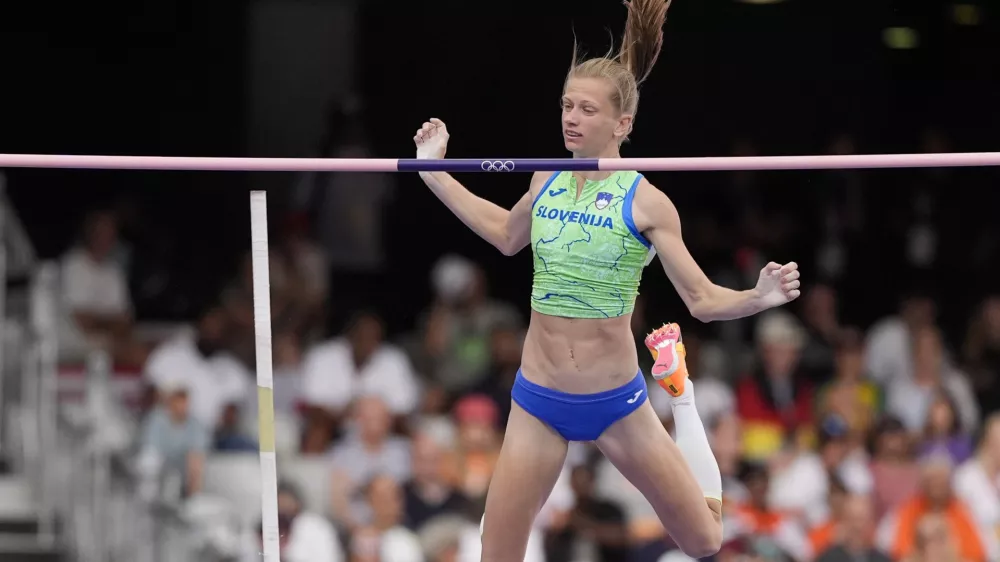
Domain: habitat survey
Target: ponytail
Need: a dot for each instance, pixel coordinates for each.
(643, 37)
(640, 48)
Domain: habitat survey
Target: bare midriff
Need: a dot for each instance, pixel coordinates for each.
(579, 356)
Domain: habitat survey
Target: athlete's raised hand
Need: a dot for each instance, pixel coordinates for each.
(431, 140)
(778, 284)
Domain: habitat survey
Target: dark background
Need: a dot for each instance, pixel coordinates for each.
(172, 78)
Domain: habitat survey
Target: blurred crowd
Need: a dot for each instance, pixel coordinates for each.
(836, 443)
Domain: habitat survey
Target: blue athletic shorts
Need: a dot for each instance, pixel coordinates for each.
(579, 417)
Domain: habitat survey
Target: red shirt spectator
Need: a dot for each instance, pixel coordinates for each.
(775, 400)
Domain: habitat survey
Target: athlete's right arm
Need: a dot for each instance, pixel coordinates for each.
(508, 231)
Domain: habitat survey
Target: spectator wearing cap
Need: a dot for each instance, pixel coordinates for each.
(900, 531)
(174, 438)
(479, 442)
(775, 401)
(455, 347)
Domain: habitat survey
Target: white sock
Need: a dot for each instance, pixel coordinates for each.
(693, 443)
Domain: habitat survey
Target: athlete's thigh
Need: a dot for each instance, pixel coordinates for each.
(530, 461)
(643, 451)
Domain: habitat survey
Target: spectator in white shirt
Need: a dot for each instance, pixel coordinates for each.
(359, 364)
(909, 398)
(977, 481)
(95, 295)
(889, 341)
(214, 378)
(801, 486)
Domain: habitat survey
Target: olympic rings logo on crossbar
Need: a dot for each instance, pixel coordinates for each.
(497, 166)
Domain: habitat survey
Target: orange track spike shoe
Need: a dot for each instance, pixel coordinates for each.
(670, 369)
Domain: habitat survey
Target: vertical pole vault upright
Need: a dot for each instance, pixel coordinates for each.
(265, 379)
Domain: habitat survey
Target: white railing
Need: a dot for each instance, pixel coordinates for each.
(44, 322)
(68, 481)
(77, 457)
(17, 260)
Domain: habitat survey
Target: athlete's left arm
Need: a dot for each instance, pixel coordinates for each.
(657, 218)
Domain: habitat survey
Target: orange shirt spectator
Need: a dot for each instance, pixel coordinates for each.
(898, 532)
(848, 536)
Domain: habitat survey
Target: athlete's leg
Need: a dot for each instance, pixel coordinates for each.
(642, 450)
(671, 372)
(530, 461)
(681, 480)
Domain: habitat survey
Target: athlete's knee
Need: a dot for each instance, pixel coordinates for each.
(706, 539)
(703, 543)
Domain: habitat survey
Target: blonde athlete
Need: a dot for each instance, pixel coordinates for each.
(591, 235)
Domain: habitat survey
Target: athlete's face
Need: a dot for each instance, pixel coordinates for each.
(591, 122)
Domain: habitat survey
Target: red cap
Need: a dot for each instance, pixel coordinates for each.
(476, 408)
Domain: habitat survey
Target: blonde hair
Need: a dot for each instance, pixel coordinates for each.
(641, 45)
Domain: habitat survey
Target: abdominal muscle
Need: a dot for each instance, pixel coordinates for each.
(579, 356)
